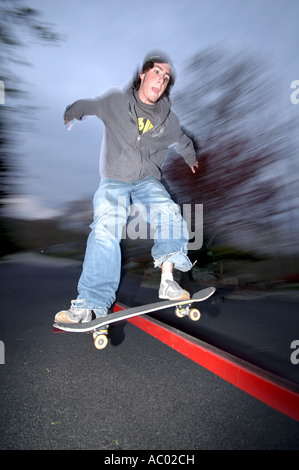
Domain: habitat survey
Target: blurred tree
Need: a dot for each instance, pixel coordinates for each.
(16, 20)
(17, 23)
(227, 107)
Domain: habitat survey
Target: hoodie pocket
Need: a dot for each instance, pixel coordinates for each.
(125, 165)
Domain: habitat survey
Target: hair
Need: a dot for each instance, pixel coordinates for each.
(146, 67)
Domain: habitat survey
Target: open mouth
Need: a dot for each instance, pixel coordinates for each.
(156, 90)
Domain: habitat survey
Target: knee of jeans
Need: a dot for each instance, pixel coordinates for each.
(172, 225)
(166, 213)
(170, 210)
(107, 224)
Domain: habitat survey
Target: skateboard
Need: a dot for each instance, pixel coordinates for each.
(98, 326)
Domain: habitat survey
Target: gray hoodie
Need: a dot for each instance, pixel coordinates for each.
(126, 155)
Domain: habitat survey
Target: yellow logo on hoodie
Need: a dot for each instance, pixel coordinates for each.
(144, 125)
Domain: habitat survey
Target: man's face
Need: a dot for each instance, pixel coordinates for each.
(153, 83)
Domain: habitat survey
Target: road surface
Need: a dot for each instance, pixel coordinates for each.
(59, 392)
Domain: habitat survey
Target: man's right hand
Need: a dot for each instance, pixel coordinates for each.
(68, 124)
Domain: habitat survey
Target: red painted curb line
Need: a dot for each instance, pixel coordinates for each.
(250, 379)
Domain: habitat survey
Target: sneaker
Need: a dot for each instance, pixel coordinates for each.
(170, 290)
(76, 314)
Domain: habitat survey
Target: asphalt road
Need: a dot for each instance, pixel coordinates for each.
(256, 327)
(59, 392)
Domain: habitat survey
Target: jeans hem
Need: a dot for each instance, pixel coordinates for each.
(178, 258)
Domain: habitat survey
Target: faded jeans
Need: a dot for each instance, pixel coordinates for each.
(100, 276)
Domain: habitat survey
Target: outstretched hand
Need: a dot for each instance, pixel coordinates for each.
(68, 124)
(194, 167)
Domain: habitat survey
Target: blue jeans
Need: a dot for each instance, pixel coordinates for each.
(100, 277)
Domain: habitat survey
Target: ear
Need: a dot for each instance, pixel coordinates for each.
(142, 76)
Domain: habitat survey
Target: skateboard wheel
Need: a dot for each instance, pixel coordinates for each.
(194, 314)
(100, 341)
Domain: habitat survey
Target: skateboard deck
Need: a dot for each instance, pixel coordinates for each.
(97, 326)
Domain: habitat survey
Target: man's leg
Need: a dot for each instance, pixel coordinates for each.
(170, 235)
(100, 276)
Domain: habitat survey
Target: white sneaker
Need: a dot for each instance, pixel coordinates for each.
(78, 313)
(170, 290)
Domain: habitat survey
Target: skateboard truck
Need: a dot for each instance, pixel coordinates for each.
(182, 311)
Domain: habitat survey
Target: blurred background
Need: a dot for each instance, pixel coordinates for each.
(235, 95)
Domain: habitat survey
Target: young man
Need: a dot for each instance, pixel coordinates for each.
(140, 126)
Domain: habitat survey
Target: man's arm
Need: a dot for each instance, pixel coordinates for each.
(81, 108)
(185, 148)
(183, 144)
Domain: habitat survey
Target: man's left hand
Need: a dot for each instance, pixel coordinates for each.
(194, 167)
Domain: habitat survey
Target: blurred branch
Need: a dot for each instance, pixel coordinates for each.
(18, 23)
(227, 106)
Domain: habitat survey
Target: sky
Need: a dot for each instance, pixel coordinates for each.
(105, 41)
